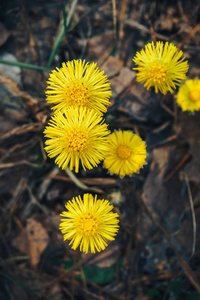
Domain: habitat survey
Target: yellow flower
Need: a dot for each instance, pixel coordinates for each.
(89, 223)
(126, 153)
(160, 66)
(77, 134)
(188, 96)
(76, 84)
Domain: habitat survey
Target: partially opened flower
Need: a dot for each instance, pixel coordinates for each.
(188, 96)
(76, 84)
(77, 135)
(161, 66)
(89, 223)
(126, 153)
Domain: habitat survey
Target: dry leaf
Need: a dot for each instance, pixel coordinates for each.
(32, 240)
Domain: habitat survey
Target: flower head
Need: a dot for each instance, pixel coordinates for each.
(89, 223)
(160, 66)
(126, 153)
(188, 96)
(78, 134)
(76, 84)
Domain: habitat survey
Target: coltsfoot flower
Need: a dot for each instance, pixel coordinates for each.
(89, 223)
(78, 134)
(188, 96)
(76, 84)
(160, 66)
(126, 153)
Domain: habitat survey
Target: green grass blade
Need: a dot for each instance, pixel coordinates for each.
(64, 25)
(22, 65)
(17, 282)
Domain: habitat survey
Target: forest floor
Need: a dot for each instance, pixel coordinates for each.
(156, 253)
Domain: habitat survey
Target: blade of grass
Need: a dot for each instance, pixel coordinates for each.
(58, 40)
(63, 27)
(22, 65)
(18, 283)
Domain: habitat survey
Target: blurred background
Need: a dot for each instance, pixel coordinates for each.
(156, 253)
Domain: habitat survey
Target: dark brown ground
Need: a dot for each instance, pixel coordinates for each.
(155, 255)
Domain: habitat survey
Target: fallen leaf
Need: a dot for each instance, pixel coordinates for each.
(32, 240)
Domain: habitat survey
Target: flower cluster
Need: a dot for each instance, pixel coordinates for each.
(78, 135)
(77, 132)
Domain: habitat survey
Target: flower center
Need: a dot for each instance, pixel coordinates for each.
(88, 224)
(77, 94)
(123, 152)
(157, 72)
(195, 95)
(77, 140)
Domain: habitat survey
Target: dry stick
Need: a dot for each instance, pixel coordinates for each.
(167, 140)
(172, 113)
(94, 285)
(22, 129)
(152, 33)
(90, 181)
(114, 17)
(189, 36)
(66, 273)
(121, 26)
(135, 24)
(101, 63)
(183, 263)
(121, 19)
(18, 163)
(193, 216)
(177, 167)
(122, 93)
(160, 276)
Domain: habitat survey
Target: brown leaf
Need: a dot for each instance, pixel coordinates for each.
(38, 240)
(32, 240)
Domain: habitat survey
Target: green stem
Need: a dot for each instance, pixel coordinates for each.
(79, 183)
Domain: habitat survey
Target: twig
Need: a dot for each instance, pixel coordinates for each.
(193, 216)
(91, 181)
(152, 33)
(177, 167)
(189, 36)
(121, 19)
(114, 17)
(23, 129)
(66, 273)
(18, 163)
(160, 276)
(172, 113)
(134, 24)
(182, 262)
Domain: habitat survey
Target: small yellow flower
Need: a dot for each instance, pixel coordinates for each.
(188, 96)
(89, 223)
(160, 66)
(126, 153)
(76, 135)
(76, 84)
